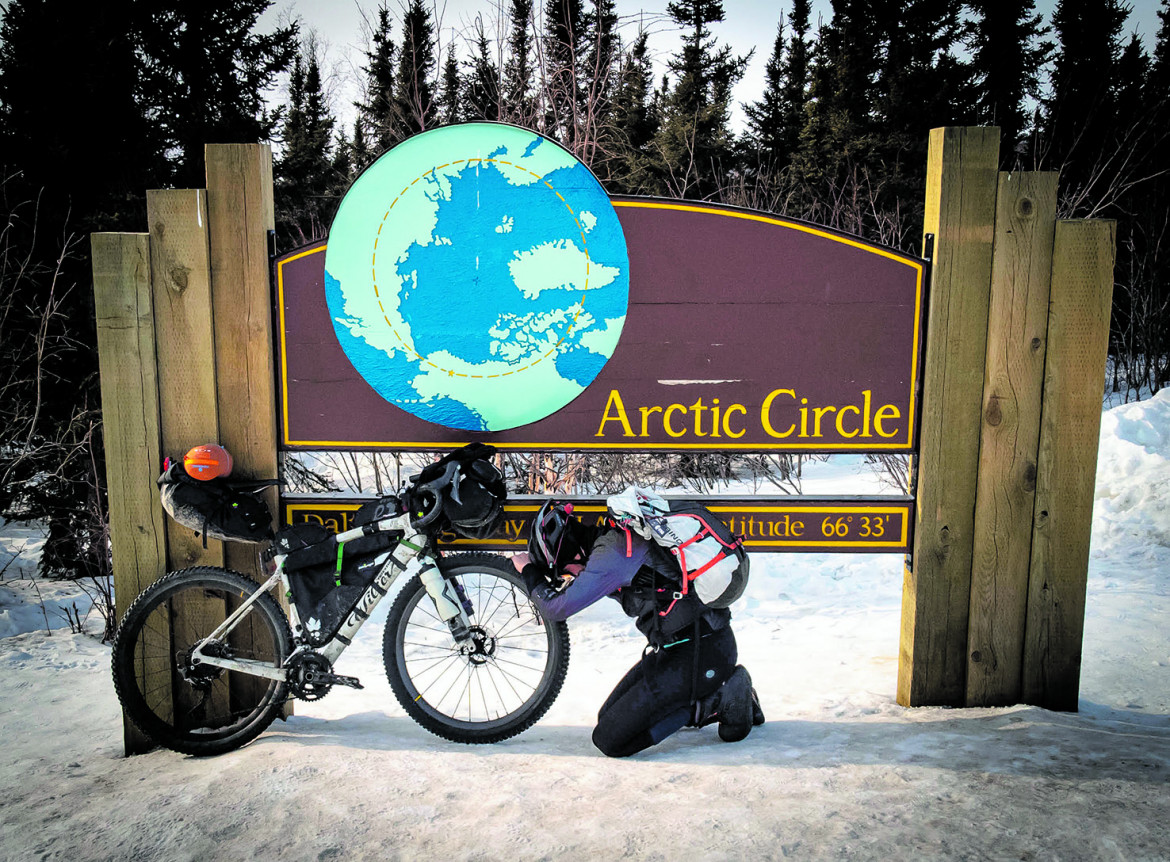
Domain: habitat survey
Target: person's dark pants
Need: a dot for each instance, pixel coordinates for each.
(654, 699)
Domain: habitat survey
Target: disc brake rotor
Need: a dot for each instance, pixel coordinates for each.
(480, 647)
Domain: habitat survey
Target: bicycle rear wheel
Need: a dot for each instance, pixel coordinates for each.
(492, 687)
(199, 709)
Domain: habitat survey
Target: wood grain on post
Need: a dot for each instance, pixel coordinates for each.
(1074, 380)
(125, 332)
(962, 169)
(181, 278)
(130, 424)
(181, 281)
(1017, 329)
(240, 216)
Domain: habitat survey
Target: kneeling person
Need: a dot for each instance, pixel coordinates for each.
(688, 674)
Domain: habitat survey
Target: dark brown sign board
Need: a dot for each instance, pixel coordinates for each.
(839, 524)
(745, 331)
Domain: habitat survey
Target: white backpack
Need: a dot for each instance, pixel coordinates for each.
(710, 556)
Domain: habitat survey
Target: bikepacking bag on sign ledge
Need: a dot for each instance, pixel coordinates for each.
(213, 508)
(711, 558)
(327, 578)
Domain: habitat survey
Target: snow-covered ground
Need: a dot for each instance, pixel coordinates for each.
(839, 770)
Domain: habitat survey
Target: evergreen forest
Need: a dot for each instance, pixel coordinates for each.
(99, 102)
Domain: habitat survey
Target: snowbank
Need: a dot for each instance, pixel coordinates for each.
(28, 605)
(1133, 476)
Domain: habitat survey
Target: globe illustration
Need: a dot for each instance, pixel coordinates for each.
(477, 276)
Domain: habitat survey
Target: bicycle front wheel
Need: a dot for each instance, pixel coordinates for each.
(490, 687)
(198, 708)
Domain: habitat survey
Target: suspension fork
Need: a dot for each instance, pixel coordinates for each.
(446, 596)
(449, 604)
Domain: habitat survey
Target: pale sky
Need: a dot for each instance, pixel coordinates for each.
(749, 24)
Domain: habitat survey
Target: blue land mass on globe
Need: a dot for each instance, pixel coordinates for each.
(477, 277)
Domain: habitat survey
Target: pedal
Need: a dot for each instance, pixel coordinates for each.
(335, 679)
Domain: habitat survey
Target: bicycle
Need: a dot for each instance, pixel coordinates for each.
(205, 658)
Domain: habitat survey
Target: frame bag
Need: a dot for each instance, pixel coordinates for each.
(326, 578)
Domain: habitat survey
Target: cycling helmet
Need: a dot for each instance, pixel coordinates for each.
(546, 540)
(209, 461)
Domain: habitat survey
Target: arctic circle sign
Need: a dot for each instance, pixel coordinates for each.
(477, 277)
(486, 288)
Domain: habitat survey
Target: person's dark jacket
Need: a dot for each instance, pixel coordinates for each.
(640, 575)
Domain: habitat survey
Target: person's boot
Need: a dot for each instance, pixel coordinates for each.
(736, 712)
(706, 709)
(757, 710)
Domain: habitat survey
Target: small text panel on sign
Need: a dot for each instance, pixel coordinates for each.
(797, 524)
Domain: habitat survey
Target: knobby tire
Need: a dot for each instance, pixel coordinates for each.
(485, 695)
(206, 711)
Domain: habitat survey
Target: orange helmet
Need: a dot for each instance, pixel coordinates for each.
(209, 461)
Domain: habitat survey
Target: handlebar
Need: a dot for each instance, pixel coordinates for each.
(398, 523)
(425, 501)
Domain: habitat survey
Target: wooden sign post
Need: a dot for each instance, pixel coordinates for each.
(994, 591)
(184, 317)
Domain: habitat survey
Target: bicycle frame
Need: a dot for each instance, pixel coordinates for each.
(411, 549)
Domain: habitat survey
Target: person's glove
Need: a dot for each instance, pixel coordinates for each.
(532, 574)
(535, 576)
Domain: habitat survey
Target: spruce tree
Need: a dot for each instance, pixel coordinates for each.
(481, 96)
(360, 154)
(451, 96)
(518, 99)
(377, 113)
(796, 81)
(1008, 54)
(635, 123)
(765, 118)
(342, 167)
(842, 90)
(599, 69)
(694, 140)
(305, 182)
(602, 55)
(922, 83)
(1081, 115)
(205, 74)
(415, 106)
(564, 49)
(76, 155)
(69, 123)
(1160, 67)
(1133, 71)
(633, 103)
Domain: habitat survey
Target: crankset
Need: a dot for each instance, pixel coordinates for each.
(311, 676)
